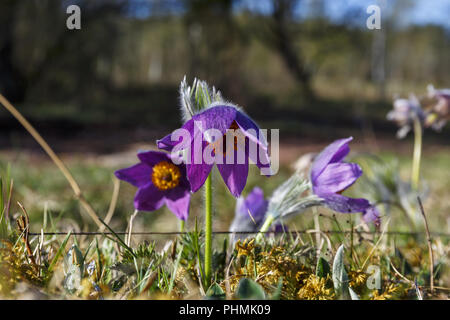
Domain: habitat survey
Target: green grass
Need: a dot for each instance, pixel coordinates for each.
(169, 266)
(39, 185)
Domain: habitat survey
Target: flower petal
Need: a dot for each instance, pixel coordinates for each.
(217, 117)
(334, 152)
(254, 142)
(259, 157)
(177, 200)
(280, 228)
(250, 129)
(153, 157)
(184, 183)
(197, 174)
(149, 198)
(234, 176)
(344, 204)
(138, 175)
(241, 224)
(372, 215)
(336, 177)
(255, 205)
(168, 144)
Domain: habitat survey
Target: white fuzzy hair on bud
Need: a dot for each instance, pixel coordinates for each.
(195, 98)
(200, 96)
(287, 198)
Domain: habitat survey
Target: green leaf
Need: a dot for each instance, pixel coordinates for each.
(99, 257)
(340, 277)
(118, 282)
(120, 241)
(277, 293)
(405, 267)
(322, 268)
(249, 290)
(215, 292)
(59, 252)
(3, 222)
(127, 269)
(175, 268)
(1, 197)
(418, 292)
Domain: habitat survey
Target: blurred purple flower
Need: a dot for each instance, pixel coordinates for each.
(330, 176)
(251, 209)
(159, 181)
(372, 215)
(404, 113)
(250, 214)
(440, 111)
(221, 118)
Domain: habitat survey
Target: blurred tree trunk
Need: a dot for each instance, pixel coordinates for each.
(378, 61)
(378, 55)
(38, 51)
(12, 82)
(216, 45)
(282, 40)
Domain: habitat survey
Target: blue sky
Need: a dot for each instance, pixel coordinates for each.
(420, 12)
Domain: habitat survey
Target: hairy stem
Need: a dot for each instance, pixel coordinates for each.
(269, 220)
(182, 223)
(415, 174)
(208, 230)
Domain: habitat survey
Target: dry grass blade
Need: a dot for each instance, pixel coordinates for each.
(74, 185)
(8, 203)
(112, 204)
(23, 223)
(400, 275)
(430, 249)
(130, 228)
(376, 244)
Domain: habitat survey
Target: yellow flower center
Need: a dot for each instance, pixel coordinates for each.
(166, 176)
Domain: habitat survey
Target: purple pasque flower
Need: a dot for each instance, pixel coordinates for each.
(159, 181)
(330, 176)
(404, 113)
(439, 113)
(250, 214)
(207, 133)
(250, 211)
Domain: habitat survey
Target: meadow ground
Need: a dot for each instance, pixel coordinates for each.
(174, 272)
(100, 94)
